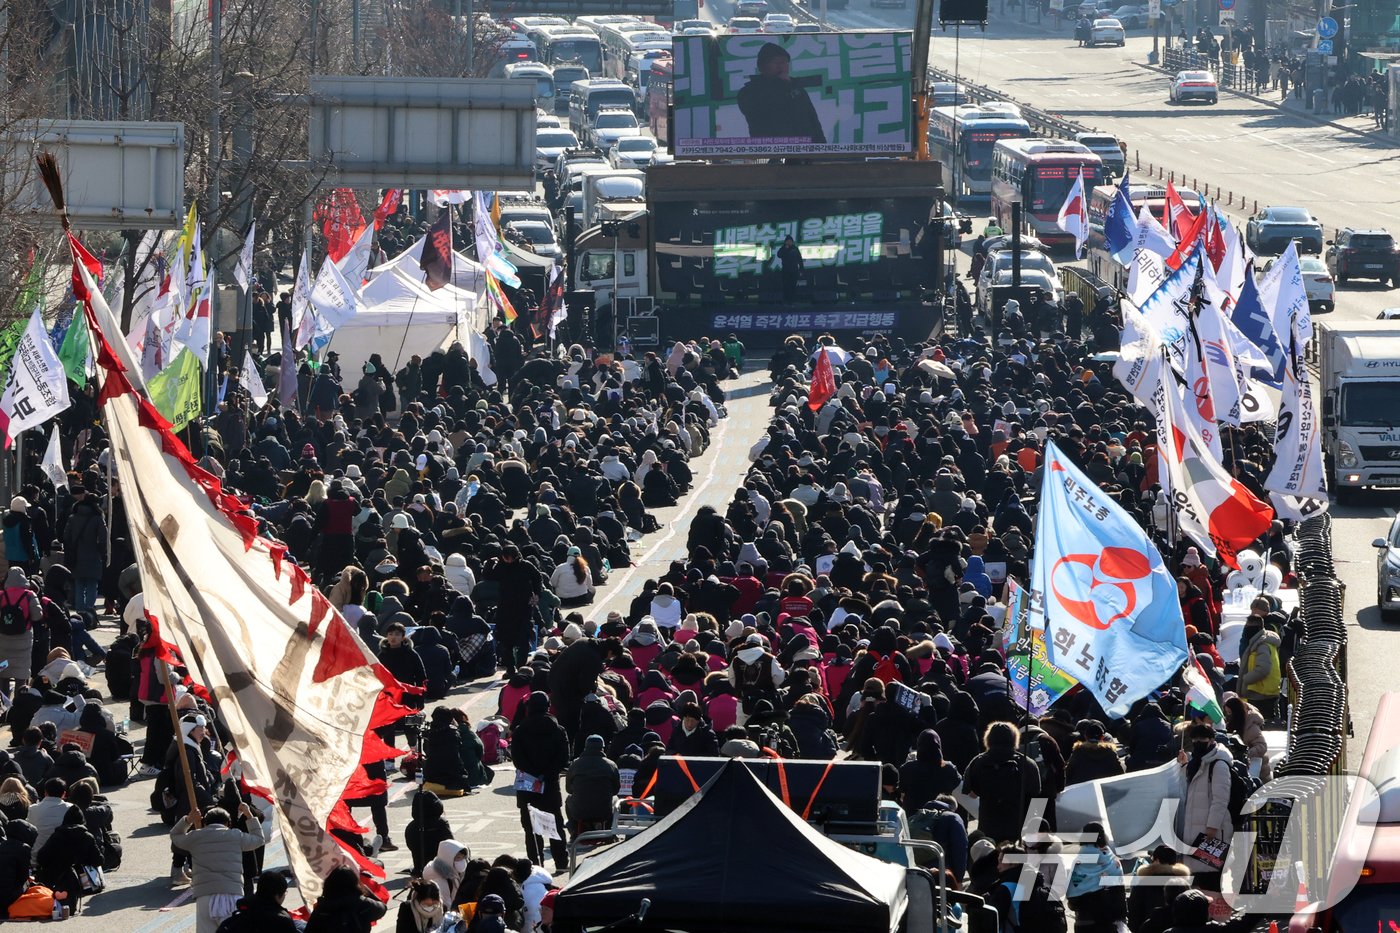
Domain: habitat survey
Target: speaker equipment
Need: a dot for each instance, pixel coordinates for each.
(962, 11)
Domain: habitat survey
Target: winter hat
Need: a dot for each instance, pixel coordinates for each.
(594, 743)
(1192, 558)
(572, 633)
(400, 521)
(554, 643)
(537, 703)
(19, 504)
(754, 641)
(734, 630)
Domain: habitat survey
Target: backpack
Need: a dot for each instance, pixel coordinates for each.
(1242, 787)
(1042, 912)
(14, 617)
(492, 732)
(886, 670)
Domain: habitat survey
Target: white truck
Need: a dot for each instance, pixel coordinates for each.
(1359, 371)
(623, 185)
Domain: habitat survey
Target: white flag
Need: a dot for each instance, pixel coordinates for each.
(355, 264)
(1150, 251)
(37, 389)
(1074, 215)
(333, 298)
(1284, 297)
(252, 380)
(301, 292)
(53, 462)
(1297, 472)
(243, 272)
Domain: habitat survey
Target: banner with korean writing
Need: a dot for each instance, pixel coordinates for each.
(1111, 610)
(1035, 683)
(831, 93)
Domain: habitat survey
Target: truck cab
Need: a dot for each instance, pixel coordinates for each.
(1359, 371)
(611, 259)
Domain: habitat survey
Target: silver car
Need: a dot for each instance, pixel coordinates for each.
(1388, 572)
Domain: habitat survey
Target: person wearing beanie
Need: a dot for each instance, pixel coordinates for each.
(1094, 756)
(694, 738)
(540, 751)
(592, 783)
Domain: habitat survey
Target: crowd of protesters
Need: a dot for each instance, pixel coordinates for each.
(465, 529)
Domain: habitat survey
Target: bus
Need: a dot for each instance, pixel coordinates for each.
(1101, 263)
(1038, 174)
(961, 138)
(659, 87)
(571, 45)
(623, 40)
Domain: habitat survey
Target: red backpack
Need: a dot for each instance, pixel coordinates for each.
(886, 670)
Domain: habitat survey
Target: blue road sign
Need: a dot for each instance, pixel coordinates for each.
(1227, 4)
(1324, 46)
(1327, 27)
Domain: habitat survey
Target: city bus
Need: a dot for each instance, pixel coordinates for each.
(621, 41)
(1038, 174)
(961, 138)
(658, 99)
(1101, 263)
(571, 45)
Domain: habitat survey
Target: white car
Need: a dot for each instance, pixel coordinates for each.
(1107, 32)
(682, 25)
(694, 31)
(1388, 572)
(612, 125)
(549, 143)
(778, 22)
(1318, 284)
(1195, 85)
(1389, 314)
(632, 152)
(545, 121)
(745, 26)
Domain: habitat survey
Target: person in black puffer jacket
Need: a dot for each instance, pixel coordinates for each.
(344, 905)
(1094, 756)
(16, 854)
(426, 830)
(97, 813)
(811, 726)
(540, 747)
(396, 653)
(71, 765)
(437, 662)
(70, 849)
(107, 747)
(927, 775)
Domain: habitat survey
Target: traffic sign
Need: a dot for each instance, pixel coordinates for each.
(1327, 27)
(1227, 4)
(1324, 46)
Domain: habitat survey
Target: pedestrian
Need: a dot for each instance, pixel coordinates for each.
(21, 541)
(592, 783)
(1206, 814)
(262, 911)
(540, 751)
(216, 853)
(793, 264)
(1003, 782)
(345, 905)
(85, 544)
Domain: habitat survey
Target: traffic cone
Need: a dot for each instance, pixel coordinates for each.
(1273, 926)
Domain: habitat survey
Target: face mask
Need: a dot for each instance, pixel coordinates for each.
(1200, 748)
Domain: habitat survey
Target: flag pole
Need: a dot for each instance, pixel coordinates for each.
(195, 818)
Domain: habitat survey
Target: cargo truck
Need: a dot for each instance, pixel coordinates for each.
(1359, 371)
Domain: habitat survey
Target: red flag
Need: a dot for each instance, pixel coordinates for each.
(823, 382)
(1194, 235)
(436, 261)
(1178, 216)
(341, 222)
(1215, 243)
(387, 207)
(94, 268)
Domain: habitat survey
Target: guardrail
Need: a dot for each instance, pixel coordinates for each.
(1228, 74)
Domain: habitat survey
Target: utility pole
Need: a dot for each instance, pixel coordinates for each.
(211, 208)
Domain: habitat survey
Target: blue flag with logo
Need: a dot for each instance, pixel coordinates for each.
(1255, 322)
(1120, 226)
(1112, 617)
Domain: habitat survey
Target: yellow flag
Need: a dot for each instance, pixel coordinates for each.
(175, 390)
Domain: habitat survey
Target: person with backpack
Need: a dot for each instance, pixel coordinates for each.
(756, 674)
(1206, 814)
(20, 608)
(1003, 781)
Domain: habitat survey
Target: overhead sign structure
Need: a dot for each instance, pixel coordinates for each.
(459, 133)
(1327, 27)
(762, 96)
(117, 174)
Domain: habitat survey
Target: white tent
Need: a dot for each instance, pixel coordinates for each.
(467, 274)
(400, 318)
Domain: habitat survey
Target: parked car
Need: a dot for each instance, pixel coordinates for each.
(1195, 85)
(1107, 32)
(1270, 230)
(1317, 282)
(1363, 254)
(1388, 572)
(1132, 16)
(1107, 147)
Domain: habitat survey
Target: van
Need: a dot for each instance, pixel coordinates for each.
(586, 98)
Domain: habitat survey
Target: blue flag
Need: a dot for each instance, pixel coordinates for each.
(1254, 321)
(1111, 611)
(1120, 227)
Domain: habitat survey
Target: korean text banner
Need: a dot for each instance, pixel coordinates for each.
(846, 93)
(1111, 611)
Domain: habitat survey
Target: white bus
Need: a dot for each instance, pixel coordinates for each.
(962, 139)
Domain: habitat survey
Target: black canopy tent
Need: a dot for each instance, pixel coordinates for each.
(734, 859)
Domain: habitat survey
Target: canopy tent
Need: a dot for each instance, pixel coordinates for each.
(733, 858)
(400, 318)
(467, 273)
